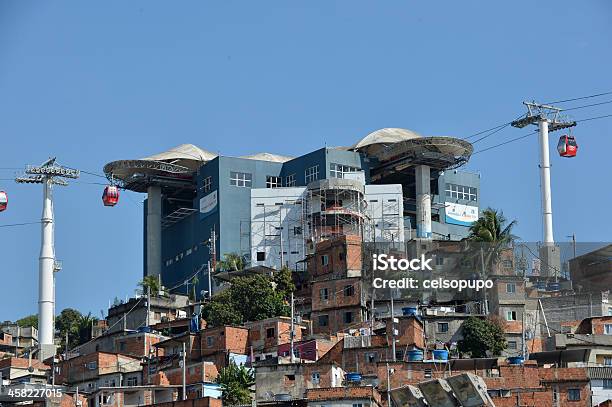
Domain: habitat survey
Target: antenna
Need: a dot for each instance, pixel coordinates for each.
(48, 173)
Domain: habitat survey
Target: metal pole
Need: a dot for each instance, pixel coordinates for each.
(482, 268)
(46, 261)
(154, 232)
(388, 386)
(291, 335)
(545, 183)
(184, 374)
(209, 282)
(148, 305)
(392, 326)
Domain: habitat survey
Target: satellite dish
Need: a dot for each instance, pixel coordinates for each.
(31, 369)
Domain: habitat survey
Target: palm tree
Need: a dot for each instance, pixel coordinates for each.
(232, 262)
(492, 233)
(236, 382)
(150, 282)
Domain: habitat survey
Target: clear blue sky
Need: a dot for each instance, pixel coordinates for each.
(94, 82)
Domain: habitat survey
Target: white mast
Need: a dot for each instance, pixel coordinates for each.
(48, 174)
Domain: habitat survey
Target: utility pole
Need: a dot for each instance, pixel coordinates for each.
(292, 334)
(148, 305)
(48, 174)
(392, 325)
(388, 386)
(183, 354)
(484, 274)
(209, 282)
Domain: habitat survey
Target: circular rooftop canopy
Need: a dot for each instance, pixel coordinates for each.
(392, 146)
(386, 136)
(276, 158)
(173, 166)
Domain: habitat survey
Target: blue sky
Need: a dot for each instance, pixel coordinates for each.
(94, 82)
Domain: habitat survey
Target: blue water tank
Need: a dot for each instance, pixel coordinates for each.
(541, 285)
(409, 311)
(440, 354)
(516, 360)
(554, 287)
(414, 355)
(353, 377)
(144, 329)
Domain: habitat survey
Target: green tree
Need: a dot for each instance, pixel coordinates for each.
(150, 282)
(480, 336)
(231, 262)
(68, 322)
(220, 311)
(492, 232)
(284, 282)
(236, 382)
(249, 298)
(85, 325)
(255, 298)
(30, 320)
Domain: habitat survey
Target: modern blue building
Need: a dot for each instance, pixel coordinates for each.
(198, 204)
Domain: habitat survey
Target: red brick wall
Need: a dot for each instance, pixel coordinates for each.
(336, 295)
(224, 338)
(193, 374)
(201, 402)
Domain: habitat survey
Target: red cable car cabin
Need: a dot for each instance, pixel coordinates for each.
(3, 201)
(567, 146)
(110, 197)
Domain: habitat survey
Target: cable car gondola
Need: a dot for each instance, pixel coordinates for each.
(567, 146)
(3, 201)
(110, 197)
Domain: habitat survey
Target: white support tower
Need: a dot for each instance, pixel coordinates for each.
(48, 174)
(548, 119)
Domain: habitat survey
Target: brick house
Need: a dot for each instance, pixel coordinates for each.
(365, 396)
(337, 305)
(266, 335)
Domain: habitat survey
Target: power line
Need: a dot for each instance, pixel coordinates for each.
(19, 224)
(593, 118)
(579, 98)
(589, 105)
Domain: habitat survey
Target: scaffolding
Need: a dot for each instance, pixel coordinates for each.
(335, 207)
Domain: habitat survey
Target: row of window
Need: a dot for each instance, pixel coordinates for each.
(338, 170)
(348, 290)
(180, 255)
(461, 192)
(348, 317)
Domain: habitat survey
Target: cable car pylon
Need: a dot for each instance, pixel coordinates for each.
(48, 173)
(548, 119)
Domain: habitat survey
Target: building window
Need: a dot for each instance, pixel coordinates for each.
(338, 170)
(510, 315)
(297, 230)
(315, 377)
(348, 317)
(261, 256)
(122, 346)
(323, 294)
(439, 261)
(290, 180)
(608, 329)
(209, 341)
(324, 260)
(607, 383)
(461, 192)
(573, 394)
(132, 381)
(507, 264)
(270, 333)
(357, 405)
(323, 320)
(607, 361)
(241, 179)
(349, 290)
(510, 288)
(511, 344)
(92, 365)
(273, 182)
(207, 184)
(371, 357)
(311, 174)
(442, 327)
